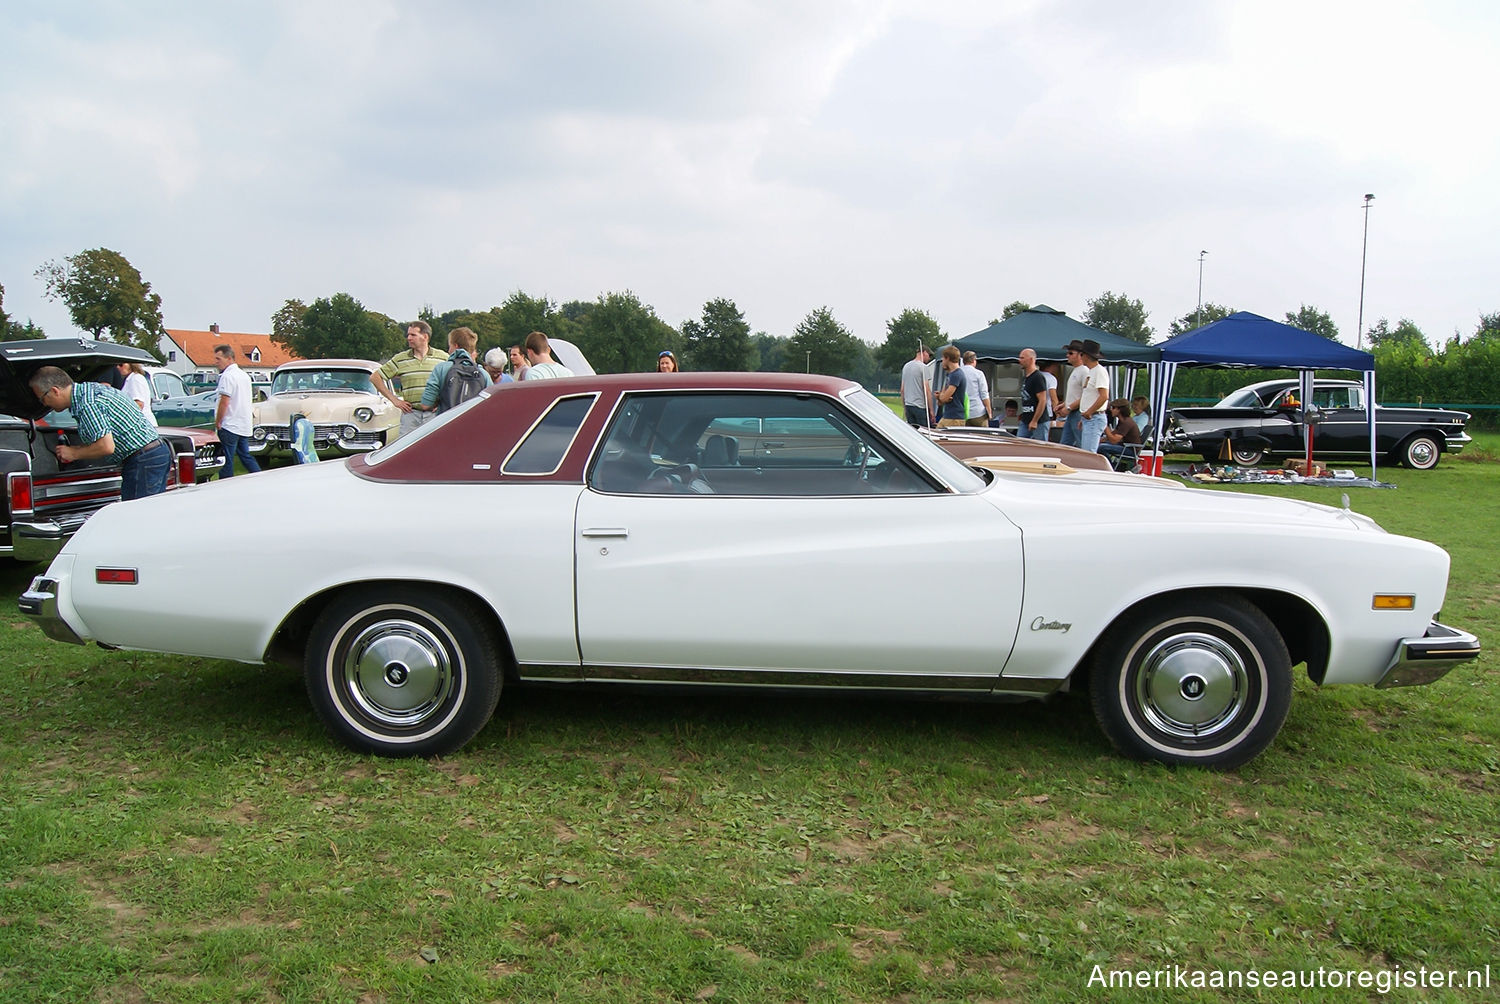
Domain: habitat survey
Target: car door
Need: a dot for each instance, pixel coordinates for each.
(809, 573)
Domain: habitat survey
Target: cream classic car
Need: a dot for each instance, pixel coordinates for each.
(337, 396)
(756, 531)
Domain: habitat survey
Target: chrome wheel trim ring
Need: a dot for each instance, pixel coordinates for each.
(1192, 685)
(397, 672)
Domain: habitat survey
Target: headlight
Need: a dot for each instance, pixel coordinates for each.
(363, 414)
(259, 433)
(350, 432)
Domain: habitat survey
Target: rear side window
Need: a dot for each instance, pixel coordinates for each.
(542, 449)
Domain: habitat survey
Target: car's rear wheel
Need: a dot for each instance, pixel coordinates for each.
(1420, 453)
(403, 671)
(1197, 680)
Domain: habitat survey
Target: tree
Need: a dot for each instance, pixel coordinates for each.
(1013, 308)
(770, 352)
(105, 296)
(1489, 326)
(620, 334)
(1382, 336)
(489, 326)
(1119, 315)
(720, 341)
(286, 325)
(903, 334)
(1197, 318)
(1312, 319)
(821, 344)
(337, 327)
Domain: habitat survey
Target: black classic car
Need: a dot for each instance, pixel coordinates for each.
(45, 502)
(1266, 419)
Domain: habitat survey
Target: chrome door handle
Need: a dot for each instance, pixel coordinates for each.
(606, 531)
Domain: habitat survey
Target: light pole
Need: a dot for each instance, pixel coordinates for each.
(1359, 334)
(809, 362)
(1198, 317)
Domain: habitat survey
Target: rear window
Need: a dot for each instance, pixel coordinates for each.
(544, 447)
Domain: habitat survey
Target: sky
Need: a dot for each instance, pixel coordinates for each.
(947, 155)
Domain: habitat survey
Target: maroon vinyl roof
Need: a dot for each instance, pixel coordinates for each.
(474, 446)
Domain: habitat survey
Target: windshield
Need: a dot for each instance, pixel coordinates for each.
(918, 447)
(334, 380)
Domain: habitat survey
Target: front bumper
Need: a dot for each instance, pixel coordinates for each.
(1422, 660)
(326, 439)
(40, 602)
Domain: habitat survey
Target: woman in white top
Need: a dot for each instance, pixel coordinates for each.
(138, 388)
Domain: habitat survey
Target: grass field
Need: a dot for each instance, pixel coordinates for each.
(181, 830)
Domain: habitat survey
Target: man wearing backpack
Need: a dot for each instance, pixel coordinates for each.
(457, 378)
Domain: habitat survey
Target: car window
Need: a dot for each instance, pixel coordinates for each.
(1242, 398)
(747, 444)
(167, 384)
(542, 450)
(1332, 397)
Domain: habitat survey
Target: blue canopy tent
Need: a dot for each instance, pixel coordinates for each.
(1246, 340)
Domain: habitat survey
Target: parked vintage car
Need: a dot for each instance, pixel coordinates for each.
(349, 416)
(46, 502)
(1265, 419)
(190, 411)
(658, 552)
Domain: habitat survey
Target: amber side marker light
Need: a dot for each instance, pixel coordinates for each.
(1393, 601)
(123, 576)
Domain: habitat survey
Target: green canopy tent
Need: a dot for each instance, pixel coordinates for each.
(1047, 331)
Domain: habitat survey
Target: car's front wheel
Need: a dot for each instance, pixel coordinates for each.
(1420, 453)
(402, 671)
(1195, 680)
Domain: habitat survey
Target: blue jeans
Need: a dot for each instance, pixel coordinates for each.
(145, 473)
(1024, 430)
(235, 444)
(916, 415)
(1072, 432)
(1093, 431)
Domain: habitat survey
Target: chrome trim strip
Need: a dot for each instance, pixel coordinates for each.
(792, 679)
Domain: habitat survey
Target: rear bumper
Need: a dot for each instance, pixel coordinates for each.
(1422, 660)
(40, 539)
(40, 603)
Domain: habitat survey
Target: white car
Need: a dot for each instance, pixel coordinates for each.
(757, 531)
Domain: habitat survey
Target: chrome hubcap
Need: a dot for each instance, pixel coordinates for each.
(397, 672)
(1192, 685)
(1421, 453)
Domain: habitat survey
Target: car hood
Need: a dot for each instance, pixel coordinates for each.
(1104, 497)
(315, 406)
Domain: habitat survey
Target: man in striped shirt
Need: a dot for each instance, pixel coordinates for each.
(109, 425)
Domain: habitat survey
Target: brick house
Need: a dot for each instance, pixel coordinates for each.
(187, 351)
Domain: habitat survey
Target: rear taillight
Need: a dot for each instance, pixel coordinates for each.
(18, 491)
(120, 576)
(187, 469)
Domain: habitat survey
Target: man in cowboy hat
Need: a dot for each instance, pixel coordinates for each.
(1072, 394)
(1091, 403)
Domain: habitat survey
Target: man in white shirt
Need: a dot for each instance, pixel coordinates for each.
(1068, 411)
(1095, 396)
(234, 417)
(539, 354)
(916, 390)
